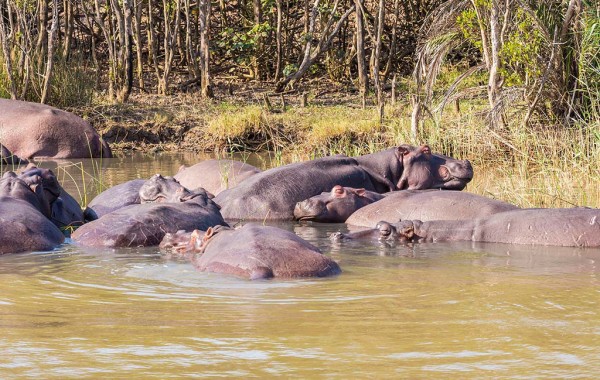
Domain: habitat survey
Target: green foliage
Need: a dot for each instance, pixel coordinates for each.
(589, 66)
(521, 54)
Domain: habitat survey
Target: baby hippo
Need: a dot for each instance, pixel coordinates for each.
(253, 252)
(573, 227)
(335, 206)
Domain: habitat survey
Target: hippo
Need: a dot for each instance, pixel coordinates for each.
(257, 252)
(66, 212)
(7, 158)
(167, 189)
(335, 206)
(565, 227)
(33, 130)
(427, 205)
(273, 194)
(215, 175)
(117, 197)
(141, 225)
(23, 227)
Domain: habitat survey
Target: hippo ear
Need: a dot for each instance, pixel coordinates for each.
(425, 149)
(360, 192)
(402, 150)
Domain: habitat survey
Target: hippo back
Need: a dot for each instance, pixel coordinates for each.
(272, 194)
(256, 251)
(427, 205)
(117, 197)
(146, 224)
(215, 176)
(37, 130)
(24, 228)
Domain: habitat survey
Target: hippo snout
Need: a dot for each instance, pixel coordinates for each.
(337, 237)
(308, 209)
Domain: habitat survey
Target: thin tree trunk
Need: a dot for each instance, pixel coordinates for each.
(137, 32)
(363, 78)
(6, 53)
(204, 16)
(278, 38)
(377, 55)
(49, 63)
(494, 83)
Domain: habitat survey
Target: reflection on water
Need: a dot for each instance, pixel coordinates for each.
(430, 310)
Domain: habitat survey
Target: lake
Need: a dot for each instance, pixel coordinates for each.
(439, 310)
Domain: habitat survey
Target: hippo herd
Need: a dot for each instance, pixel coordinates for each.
(401, 195)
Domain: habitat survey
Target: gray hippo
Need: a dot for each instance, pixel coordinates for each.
(23, 227)
(273, 194)
(146, 224)
(254, 252)
(66, 212)
(566, 227)
(167, 189)
(215, 175)
(116, 197)
(7, 158)
(31, 130)
(335, 206)
(427, 205)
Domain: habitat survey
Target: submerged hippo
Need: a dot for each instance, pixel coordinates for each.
(273, 194)
(116, 197)
(66, 212)
(335, 206)
(146, 224)
(254, 251)
(31, 130)
(23, 227)
(215, 175)
(573, 227)
(427, 205)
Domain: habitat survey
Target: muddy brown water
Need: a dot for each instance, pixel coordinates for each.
(428, 311)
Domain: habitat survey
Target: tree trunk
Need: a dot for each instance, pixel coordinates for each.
(6, 53)
(279, 37)
(377, 55)
(363, 78)
(204, 18)
(49, 62)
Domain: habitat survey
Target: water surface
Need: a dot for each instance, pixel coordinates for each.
(426, 311)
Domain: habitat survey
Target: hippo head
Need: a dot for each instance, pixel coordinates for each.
(167, 189)
(31, 192)
(333, 207)
(384, 232)
(51, 186)
(424, 170)
(182, 242)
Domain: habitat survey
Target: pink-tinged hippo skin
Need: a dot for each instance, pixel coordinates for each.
(335, 206)
(117, 197)
(427, 205)
(565, 227)
(33, 130)
(257, 252)
(7, 158)
(273, 194)
(66, 213)
(23, 227)
(215, 175)
(141, 225)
